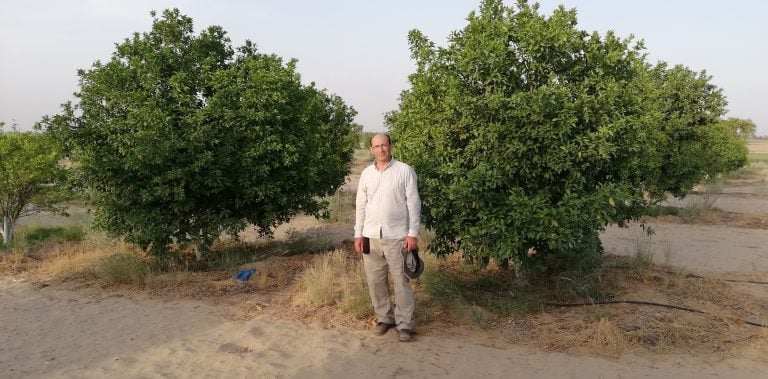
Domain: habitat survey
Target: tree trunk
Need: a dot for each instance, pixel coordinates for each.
(7, 231)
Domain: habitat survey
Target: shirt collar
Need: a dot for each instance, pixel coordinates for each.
(391, 160)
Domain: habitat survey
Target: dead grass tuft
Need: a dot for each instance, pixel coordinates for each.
(319, 281)
(601, 336)
(606, 338)
(335, 278)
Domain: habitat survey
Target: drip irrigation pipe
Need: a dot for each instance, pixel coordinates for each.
(648, 303)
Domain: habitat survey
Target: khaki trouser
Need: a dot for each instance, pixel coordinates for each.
(385, 257)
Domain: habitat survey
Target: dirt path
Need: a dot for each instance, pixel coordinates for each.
(51, 333)
(698, 248)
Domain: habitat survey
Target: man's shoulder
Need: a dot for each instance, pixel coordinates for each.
(368, 170)
(401, 165)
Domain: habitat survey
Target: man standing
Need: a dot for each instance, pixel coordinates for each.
(388, 215)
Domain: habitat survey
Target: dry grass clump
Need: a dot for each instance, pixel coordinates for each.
(15, 260)
(111, 261)
(601, 336)
(319, 282)
(335, 278)
(355, 299)
(698, 210)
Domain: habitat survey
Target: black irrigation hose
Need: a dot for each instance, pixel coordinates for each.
(647, 303)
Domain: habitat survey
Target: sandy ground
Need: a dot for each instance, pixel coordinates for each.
(50, 332)
(702, 249)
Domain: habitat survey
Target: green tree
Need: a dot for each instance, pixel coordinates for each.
(183, 137)
(30, 176)
(530, 136)
(690, 141)
(744, 128)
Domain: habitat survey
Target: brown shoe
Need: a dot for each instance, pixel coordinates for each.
(404, 335)
(382, 328)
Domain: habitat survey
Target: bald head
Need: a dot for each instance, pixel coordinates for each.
(378, 138)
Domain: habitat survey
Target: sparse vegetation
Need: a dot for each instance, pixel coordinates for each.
(696, 210)
(341, 206)
(333, 278)
(642, 256)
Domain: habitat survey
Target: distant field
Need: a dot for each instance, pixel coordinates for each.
(758, 146)
(758, 157)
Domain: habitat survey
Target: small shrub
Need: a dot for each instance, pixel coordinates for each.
(355, 298)
(695, 210)
(642, 256)
(320, 279)
(333, 279)
(123, 269)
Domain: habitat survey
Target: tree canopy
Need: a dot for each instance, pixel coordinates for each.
(744, 128)
(530, 135)
(30, 176)
(184, 137)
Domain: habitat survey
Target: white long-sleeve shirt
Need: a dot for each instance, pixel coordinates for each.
(388, 205)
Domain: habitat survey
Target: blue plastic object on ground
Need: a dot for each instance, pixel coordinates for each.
(244, 275)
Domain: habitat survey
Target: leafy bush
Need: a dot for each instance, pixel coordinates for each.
(30, 178)
(123, 269)
(531, 135)
(182, 137)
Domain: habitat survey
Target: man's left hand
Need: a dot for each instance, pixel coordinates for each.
(411, 243)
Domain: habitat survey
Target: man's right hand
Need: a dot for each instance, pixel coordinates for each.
(359, 245)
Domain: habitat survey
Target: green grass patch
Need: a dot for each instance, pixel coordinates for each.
(28, 236)
(38, 235)
(758, 157)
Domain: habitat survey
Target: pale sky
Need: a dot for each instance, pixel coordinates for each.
(358, 49)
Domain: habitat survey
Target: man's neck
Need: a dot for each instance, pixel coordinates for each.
(380, 165)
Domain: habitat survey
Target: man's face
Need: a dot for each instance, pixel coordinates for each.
(381, 149)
